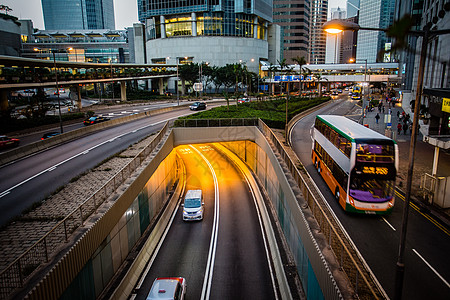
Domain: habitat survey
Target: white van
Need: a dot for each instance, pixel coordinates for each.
(193, 205)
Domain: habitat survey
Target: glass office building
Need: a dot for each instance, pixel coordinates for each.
(216, 31)
(78, 14)
(375, 14)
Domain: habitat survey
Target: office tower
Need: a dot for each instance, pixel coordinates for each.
(375, 14)
(317, 46)
(293, 17)
(334, 40)
(213, 31)
(352, 8)
(78, 14)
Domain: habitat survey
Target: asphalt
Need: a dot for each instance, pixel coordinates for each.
(423, 156)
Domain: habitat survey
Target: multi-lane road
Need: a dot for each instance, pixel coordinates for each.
(427, 259)
(223, 256)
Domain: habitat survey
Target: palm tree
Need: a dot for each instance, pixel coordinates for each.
(284, 66)
(301, 61)
(272, 70)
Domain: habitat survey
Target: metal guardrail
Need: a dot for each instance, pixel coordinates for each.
(216, 122)
(364, 283)
(16, 273)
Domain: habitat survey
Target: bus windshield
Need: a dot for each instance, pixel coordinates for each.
(372, 190)
(374, 153)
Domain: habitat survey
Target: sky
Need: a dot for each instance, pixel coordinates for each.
(125, 11)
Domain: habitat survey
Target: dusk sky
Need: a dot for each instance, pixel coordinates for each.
(32, 9)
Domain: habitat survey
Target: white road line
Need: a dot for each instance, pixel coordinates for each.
(432, 269)
(4, 194)
(206, 290)
(70, 158)
(51, 169)
(386, 221)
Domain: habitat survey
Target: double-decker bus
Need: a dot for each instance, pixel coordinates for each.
(356, 92)
(358, 164)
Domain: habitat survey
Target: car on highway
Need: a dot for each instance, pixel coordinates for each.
(334, 93)
(198, 106)
(243, 100)
(8, 142)
(193, 206)
(49, 135)
(95, 120)
(173, 288)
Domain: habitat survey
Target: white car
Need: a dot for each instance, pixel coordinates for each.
(168, 288)
(193, 205)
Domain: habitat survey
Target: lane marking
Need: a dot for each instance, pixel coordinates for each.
(51, 169)
(432, 269)
(426, 216)
(206, 290)
(386, 221)
(4, 194)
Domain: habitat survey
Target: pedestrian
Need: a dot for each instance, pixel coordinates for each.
(382, 109)
(398, 114)
(389, 111)
(377, 117)
(399, 128)
(405, 127)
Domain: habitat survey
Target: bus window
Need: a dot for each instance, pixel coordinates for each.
(374, 153)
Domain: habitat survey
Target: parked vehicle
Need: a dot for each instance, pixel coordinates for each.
(49, 135)
(193, 205)
(173, 288)
(95, 120)
(198, 106)
(243, 100)
(7, 142)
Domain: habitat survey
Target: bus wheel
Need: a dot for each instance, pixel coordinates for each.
(318, 167)
(337, 194)
(315, 163)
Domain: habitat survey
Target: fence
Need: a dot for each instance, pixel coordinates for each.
(18, 271)
(364, 283)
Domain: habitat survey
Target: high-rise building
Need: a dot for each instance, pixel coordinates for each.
(334, 40)
(375, 14)
(317, 44)
(294, 19)
(214, 31)
(78, 14)
(352, 8)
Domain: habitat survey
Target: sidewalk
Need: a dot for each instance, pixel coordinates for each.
(423, 158)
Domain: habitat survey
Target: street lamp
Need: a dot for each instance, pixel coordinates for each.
(365, 83)
(426, 35)
(57, 91)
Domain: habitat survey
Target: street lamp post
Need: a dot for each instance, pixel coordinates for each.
(57, 92)
(176, 88)
(365, 83)
(426, 34)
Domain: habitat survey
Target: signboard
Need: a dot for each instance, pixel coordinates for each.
(375, 170)
(446, 104)
(198, 87)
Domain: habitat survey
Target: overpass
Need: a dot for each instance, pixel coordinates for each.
(24, 73)
(309, 240)
(354, 72)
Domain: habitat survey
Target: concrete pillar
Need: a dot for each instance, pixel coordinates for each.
(79, 105)
(255, 27)
(435, 160)
(194, 24)
(161, 86)
(320, 89)
(4, 100)
(162, 20)
(123, 91)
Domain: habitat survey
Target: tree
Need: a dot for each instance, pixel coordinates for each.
(187, 72)
(301, 61)
(272, 70)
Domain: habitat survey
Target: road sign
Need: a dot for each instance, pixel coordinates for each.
(198, 87)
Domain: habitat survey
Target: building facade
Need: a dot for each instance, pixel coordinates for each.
(95, 46)
(334, 41)
(10, 35)
(375, 14)
(293, 17)
(352, 8)
(219, 32)
(317, 41)
(78, 14)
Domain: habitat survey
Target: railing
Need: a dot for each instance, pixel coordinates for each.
(215, 122)
(428, 186)
(364, 283)
(18, 271)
